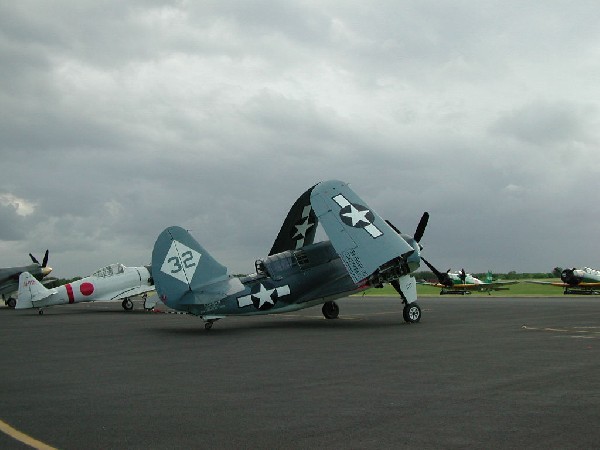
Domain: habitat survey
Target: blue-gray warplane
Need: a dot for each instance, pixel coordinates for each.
(9, 277)
(363, 251)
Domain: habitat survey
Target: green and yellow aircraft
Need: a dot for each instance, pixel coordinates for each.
(462, 283)
(584, 281)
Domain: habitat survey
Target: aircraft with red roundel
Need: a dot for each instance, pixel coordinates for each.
(113, 282)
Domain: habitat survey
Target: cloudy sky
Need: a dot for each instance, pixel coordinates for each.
(118, 119)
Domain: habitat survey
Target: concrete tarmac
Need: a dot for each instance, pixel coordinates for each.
(477, 372)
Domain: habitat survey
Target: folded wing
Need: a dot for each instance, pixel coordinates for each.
(299, 227)
(362, 239)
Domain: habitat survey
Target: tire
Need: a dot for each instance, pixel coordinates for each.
(412, 313)
(11, 303)
(330, 310)
(127, 304)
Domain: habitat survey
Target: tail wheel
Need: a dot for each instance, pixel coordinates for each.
(412, 313)
(127, 304)
(330, 310)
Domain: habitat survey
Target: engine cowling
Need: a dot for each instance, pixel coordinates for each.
(568, 276)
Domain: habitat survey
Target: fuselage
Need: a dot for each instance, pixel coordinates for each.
(284, 282)
(580, 277)
(469, 279)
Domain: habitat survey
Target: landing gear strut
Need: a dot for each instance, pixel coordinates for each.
(330, 310)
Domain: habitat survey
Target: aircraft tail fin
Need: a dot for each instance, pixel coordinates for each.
(185, 273)
(30, 291)
(489, 278)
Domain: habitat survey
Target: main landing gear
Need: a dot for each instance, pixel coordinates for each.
(127, 304)
(411, 311)
(330, 310)
(11, 302)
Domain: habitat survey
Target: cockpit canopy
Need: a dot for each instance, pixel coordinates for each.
(284, 263)
(109, 271)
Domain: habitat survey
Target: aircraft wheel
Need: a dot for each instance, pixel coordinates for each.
(330, 310)
(41, 312)
(127, 304)
(412, 313)
(11, 302)
(208, 325)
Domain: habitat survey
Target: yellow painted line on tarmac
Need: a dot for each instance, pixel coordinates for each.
(22, 437)
(583, 332)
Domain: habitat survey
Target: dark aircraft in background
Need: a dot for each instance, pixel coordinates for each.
(584, 281)
(363, 251)
(9, 277)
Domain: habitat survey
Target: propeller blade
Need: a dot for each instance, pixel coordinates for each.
(45, 260)
(443, 278)
(33, 259)
(421, 226)
(436, 272)
(392, 226)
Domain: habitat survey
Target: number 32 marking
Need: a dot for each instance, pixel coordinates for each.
(186, 258)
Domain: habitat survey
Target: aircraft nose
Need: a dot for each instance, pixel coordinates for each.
(46, 270)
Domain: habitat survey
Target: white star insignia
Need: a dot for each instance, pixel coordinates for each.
(302, 228)
(264, 296)
(357, 216)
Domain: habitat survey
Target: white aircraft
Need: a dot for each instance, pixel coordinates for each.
(577, 281)
(109, 283)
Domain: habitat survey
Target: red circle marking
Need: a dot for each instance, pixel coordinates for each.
(86, 289)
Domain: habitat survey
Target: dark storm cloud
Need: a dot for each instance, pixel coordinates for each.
(118, 120)
(543, 123)
(12, 224)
